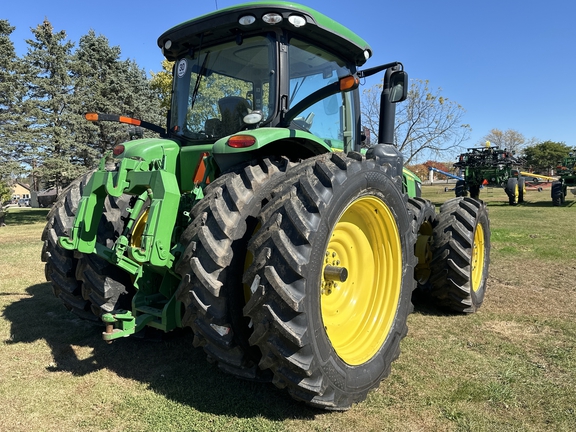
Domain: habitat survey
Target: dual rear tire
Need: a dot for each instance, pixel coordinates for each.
(461, 255)
(331, 280)
(86, 284)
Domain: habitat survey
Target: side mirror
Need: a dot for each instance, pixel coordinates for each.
(398, 86)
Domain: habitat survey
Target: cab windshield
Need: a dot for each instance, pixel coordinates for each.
(216, 87)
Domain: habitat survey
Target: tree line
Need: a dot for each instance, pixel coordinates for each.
(45, 93)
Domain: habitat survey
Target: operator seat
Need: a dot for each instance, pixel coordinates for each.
(232, 110)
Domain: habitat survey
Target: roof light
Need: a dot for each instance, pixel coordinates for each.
(253, 117)
(272, 18)
(118, 150)
(367, 54)
(241, 141)
(297, 20)
(246, 20)
(168, 44)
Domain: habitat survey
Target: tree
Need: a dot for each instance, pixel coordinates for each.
(427, 123)
(161, 83)
(11, 93)
(45, 94)
(106, 84)
(510, 139)
(543, 157)
(46, 143)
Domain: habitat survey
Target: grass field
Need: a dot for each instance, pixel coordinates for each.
(510, 367)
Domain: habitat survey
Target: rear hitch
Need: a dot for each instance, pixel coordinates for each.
(123, 324)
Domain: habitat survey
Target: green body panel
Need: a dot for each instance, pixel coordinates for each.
(267, 136)
(412, 184)
(153, 149)
(147, 169)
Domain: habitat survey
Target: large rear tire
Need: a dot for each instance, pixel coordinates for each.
(213, 264)
(106, 286)
(332, 279)
(461, 255)
(83, 283)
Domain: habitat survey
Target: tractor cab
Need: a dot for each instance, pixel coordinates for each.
(243, 68)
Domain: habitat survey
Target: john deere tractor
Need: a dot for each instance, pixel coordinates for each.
(490, 166)
(255, 219)
(566, 171)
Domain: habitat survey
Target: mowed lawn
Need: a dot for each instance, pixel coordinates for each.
(510, 367)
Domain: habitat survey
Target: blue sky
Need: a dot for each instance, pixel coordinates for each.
(511, 64)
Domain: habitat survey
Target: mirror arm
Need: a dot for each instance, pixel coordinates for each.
(374, 70)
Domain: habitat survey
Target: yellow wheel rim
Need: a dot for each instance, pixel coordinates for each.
(138, 230)
(516, 193)
(478, 258)
(358, 312)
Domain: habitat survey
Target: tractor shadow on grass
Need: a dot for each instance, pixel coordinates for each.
(568, 203)
(170, 365)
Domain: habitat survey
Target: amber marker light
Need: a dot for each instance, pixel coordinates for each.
(349, 82)
(129, 120)
(91, 116)
(241, 141)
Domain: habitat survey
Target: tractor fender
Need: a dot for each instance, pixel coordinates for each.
(292, 143)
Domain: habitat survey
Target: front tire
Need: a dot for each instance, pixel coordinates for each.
(461, 255)
(332, 279)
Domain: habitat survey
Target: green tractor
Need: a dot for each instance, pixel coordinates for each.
(491, 166)
(256, 220)
(566, 170)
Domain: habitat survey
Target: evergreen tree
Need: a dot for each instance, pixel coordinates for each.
(48, 144)
(11, 92)
(105, 84)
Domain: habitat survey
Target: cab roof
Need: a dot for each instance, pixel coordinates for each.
(223, 25)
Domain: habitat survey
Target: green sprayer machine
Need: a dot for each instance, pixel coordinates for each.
(490, 166)
(256, 220)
